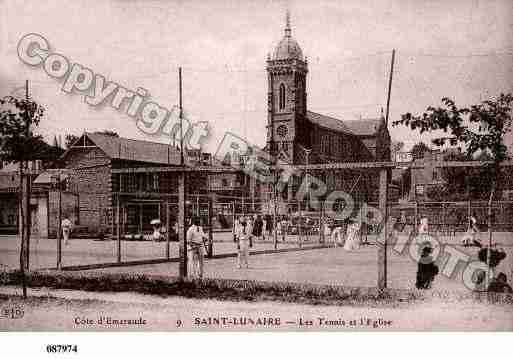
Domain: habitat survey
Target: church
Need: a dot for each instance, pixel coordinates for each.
(299, 136)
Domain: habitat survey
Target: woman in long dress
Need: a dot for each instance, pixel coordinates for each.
(470, 238)
(423, 226)
(337, 237)
(352, 237)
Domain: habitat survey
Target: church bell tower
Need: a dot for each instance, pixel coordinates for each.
(286, 97)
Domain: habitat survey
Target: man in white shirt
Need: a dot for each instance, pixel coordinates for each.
(243, 234)
(195, 238)
(66, 229)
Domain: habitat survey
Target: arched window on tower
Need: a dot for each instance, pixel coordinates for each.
(282, 97)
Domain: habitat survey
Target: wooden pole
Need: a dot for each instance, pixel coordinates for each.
(415, 217)
(25, 197)
(382, 246)
(321, 222)
(443, 230)
(59, 225)
(390, 86)
(299, 234)
(210, 229)
(168, 229)
(118, 211)
(181, 225)
(141, 219)
(275, 216)
(181, 191)
(233, 220)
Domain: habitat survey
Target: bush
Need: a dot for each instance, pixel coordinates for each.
(226, 289)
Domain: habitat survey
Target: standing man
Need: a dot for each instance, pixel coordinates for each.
(66, 229)
(195, 245)
(243, 236)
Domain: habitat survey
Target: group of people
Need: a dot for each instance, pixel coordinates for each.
(350, 240)
(261, 226)
(427, 269)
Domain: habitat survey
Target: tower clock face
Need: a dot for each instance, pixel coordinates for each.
(282, 130)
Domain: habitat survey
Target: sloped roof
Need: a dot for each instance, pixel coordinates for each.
(9, 180)
(328, 122)
(10, 167)
(364, 126)
(134, 150)
(46, 176)
(361, 127)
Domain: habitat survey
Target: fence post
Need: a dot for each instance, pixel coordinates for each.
(233, 221)
(299, 233)
(181, 226)
(469, 212)
(211, 229)
(275, 217)
(382, 247)
(415, 217)
(321, 222)
(168, 229)
(443, 219)
(119, 229)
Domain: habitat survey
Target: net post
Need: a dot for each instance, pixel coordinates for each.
(168, 229)
(118, 233)
(382, 245)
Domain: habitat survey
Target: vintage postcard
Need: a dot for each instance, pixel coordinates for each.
(256, 166)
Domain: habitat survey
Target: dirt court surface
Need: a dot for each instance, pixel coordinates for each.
(333, 266)
(72, 310)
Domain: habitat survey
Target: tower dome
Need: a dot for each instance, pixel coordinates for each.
(287, 48)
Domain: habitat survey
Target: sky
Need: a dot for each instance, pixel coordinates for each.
(461, 49)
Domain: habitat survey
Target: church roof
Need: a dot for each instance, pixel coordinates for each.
(364, 126)
(328, 122)
(287, 48)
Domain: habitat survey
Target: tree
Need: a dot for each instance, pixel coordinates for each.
(419, 149)
(108, 133)
(17, 141)
(480, 129)
(69, 140)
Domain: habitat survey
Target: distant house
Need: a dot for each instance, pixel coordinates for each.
(423, 178)
(429, 173)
